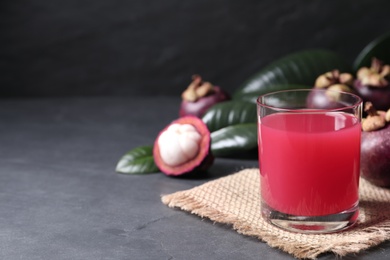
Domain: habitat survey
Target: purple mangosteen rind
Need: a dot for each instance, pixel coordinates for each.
(379, 96)
(320, 100)
(198, 162)
(373, 84)
(324, 95)
(375, 156)
(199, 107)
(200, 96)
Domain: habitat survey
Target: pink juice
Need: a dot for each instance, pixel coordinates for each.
(309, 162)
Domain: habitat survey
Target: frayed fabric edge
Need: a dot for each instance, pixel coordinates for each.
(373, 236)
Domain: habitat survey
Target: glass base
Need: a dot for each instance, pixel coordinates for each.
(311, 224)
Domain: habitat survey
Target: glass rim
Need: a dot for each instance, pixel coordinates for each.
(358, 102)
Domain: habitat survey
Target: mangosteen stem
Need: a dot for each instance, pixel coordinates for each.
(374, 120)
(387, 115)
(376, 65)
(332, 78)
(370, 109)
(197, 89)
(335, 74)
(196, 80)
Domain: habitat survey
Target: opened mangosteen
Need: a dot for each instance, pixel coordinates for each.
(375, 146)
(183, 147)
(373, 84)
(325, 94)
(200, 96)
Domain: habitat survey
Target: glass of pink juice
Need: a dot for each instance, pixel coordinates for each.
(309, 159)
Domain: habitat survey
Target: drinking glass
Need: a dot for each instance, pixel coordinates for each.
(309, 159)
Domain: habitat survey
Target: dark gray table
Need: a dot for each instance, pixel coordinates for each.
(60, 197)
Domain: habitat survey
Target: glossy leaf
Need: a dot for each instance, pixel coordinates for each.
(378, 48)
(252, 97)
(234, 139)
(229, 113)
(301, 68)
(137, 161)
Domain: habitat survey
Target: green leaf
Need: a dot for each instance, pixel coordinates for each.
(379, 48)
(300, 68)
(137, 161)
(229, 113)
(235, 139)
(252, 97)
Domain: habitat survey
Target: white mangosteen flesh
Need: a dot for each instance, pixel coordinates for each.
(179, 143)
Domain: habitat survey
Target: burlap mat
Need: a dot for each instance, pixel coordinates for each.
(235, 200)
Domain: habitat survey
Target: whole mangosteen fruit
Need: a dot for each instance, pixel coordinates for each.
(373, 84)
(324, 95)
(200, 96)
(375, 146)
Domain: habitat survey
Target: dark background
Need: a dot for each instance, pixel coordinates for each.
(152, 47)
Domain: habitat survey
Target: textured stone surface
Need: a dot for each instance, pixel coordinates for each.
(60, 198)
(53, 47)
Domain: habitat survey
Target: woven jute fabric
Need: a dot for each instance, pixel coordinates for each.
(235, 200)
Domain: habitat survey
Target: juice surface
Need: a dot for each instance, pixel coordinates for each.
(309, 162)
